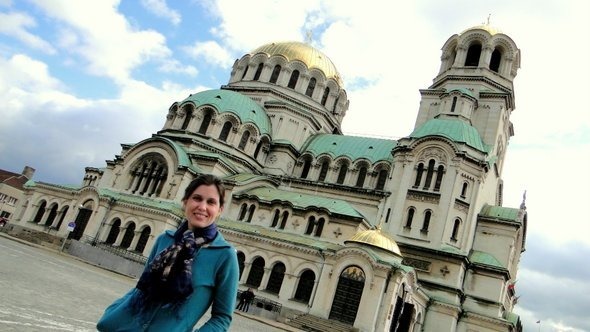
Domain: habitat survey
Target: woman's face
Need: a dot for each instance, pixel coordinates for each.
(202, 207)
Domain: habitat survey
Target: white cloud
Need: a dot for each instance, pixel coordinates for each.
(211, 52)
(160, 8)
(16, 24)
(175, 66)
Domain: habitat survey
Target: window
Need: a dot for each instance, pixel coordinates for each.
(360, 181)
(426, 223)
(453, 104)
(325, 96)
(320, 227)
(293, 79)
(495, 60)
(256, 272)
(275, 280)
(114, 232)
(225, 131)
(310, 225)
(455, 230)
(429, 174)
(187, 117)
(251, 212)
(323, 171)
(143, 239)
(258, 148)
(473, 54)
(410, 217)
(241, 260)
(275, 74)
(128, 236)
(305, 286)
(342, 173)
(258, 71)
(245, 71)
(310, 87)
(275, 218)
(464, 190)
(284, 220)
(306, 167)
(205, 124)
(419, 172)
(244, 140)
(440, 171)
(242, 212)
(381, 179)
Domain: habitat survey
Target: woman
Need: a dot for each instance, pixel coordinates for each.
(188, 271)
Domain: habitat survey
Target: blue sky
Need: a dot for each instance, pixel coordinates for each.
(78, 78)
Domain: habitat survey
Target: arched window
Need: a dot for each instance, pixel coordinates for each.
(454, 104)
(187, 117)
(310, 87)
(381, 179)
(342, 173)
(310, 225)
(284, 220)
(320, 227)
(241, 260)
(128, 236)
(429, 174)
(251, 212)
(293, 79)
(464, 190)
(275, 218)
(419, 172)
(40, 212)
(256, 272)
(323, 171)
(325, 96)
(242, 211)
(495, 60)
(51, 216)
(244, 140)
(426, 223)
(306, 167)
(360, 181)
(258, 71)
(305, 286)
(275, 74)
(225, 131)
(473, 54)
(277, 274)
(114, 232)
(245, 71)
(455, 230)
(258, 148)
(440, 171)
(410, 217)
(143, 239)
(205, 124)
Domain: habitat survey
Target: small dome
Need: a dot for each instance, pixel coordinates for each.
(303, 52)
(490, 29)
(376, 238)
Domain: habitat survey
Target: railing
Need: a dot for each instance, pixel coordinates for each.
(121, 252)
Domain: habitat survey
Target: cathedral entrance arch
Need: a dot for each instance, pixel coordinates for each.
(348, 295)
(81, 222)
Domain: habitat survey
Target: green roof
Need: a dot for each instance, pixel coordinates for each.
(455, 130)
(353, 147)
(163, 205)
(302, 201)
(484, 258)
(500, 212)
(246, 109)
(272, 233)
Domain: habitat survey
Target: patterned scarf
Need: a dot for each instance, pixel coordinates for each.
(168, 278)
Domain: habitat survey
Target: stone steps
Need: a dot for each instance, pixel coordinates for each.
(316, 324)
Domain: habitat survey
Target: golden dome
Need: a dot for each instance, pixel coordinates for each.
(303, 52)
(492, 30)
(376, 238)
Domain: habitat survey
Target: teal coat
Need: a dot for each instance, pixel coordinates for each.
(215, 283)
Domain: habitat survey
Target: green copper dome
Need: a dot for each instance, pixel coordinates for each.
(229, 101)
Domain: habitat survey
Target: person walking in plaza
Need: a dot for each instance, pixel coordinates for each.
(246, 298)
(188, 271)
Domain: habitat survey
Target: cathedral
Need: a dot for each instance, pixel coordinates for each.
(376, 234)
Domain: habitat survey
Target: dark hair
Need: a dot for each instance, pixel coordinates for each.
(207, 180)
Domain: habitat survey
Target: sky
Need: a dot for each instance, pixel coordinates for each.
(80, 78)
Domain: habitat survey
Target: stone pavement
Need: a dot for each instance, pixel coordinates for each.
(43, 289)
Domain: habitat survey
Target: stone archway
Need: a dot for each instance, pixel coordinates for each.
(348, 295)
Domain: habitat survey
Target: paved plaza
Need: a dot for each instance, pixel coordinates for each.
(45, 290)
